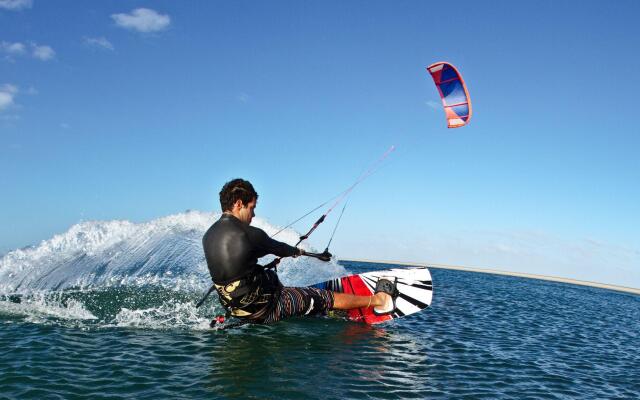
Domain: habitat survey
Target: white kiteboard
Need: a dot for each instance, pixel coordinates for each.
(414, 284)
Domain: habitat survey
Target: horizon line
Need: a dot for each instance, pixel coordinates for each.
(608, 286)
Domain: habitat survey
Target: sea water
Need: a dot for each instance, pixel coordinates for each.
(107, 310)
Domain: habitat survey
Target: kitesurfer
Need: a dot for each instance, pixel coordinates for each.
(254, 293)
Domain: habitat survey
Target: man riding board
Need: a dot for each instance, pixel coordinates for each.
(254, 293)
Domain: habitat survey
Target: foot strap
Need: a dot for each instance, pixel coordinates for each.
(389, 287)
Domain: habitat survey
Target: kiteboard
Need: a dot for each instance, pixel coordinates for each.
(414, 285)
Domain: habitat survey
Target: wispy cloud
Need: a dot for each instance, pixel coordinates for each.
(243, 98)
(99, 42)
(7, 96)
(15, 4)
(43, 53)
(143, 20)
(15, 49)
(436, 105)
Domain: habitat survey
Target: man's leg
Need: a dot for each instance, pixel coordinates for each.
(296, 301)
(343, 301)
(309, 301)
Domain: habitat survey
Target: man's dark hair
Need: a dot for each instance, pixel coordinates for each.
(234, 190)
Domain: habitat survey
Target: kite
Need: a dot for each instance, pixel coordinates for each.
(454, 93)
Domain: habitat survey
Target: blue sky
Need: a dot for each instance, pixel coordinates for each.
(137, 109)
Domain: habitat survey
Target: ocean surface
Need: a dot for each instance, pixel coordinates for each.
(107, 310)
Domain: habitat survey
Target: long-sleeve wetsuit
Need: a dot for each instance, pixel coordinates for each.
(232, 249)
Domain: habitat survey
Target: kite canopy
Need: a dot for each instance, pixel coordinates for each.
(454, 93)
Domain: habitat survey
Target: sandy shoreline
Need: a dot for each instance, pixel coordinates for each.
(498, 272)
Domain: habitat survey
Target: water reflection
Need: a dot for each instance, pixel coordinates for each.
(315, 358)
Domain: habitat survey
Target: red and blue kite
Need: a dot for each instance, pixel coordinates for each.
(454, 93)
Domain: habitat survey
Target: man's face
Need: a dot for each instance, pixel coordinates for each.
(246, 213)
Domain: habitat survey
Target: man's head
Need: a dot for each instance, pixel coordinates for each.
(239, 198)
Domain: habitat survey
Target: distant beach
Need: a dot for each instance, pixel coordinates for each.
(498, 272)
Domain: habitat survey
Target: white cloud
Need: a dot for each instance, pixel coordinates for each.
(7, 94)
(243, 98)
(43, 53)
(142, 20)
(16, 48)
(436, 105)
(15, 4)
(100, 42)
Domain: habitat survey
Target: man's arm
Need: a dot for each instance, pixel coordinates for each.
(263, 242)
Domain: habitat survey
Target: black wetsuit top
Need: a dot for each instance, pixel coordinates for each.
(232, 249)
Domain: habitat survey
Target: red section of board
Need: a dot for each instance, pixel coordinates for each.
(354, 285)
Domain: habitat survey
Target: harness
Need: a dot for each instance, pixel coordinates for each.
(255, 289)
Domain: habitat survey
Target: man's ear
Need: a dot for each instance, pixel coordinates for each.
(238, 204)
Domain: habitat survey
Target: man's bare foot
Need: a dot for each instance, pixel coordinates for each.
(386, 293)
(381, 300)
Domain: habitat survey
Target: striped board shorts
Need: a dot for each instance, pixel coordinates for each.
(298, 301)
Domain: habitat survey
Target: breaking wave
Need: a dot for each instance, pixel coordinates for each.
(120, 273)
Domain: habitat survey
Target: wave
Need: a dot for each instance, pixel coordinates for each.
(130, 274)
